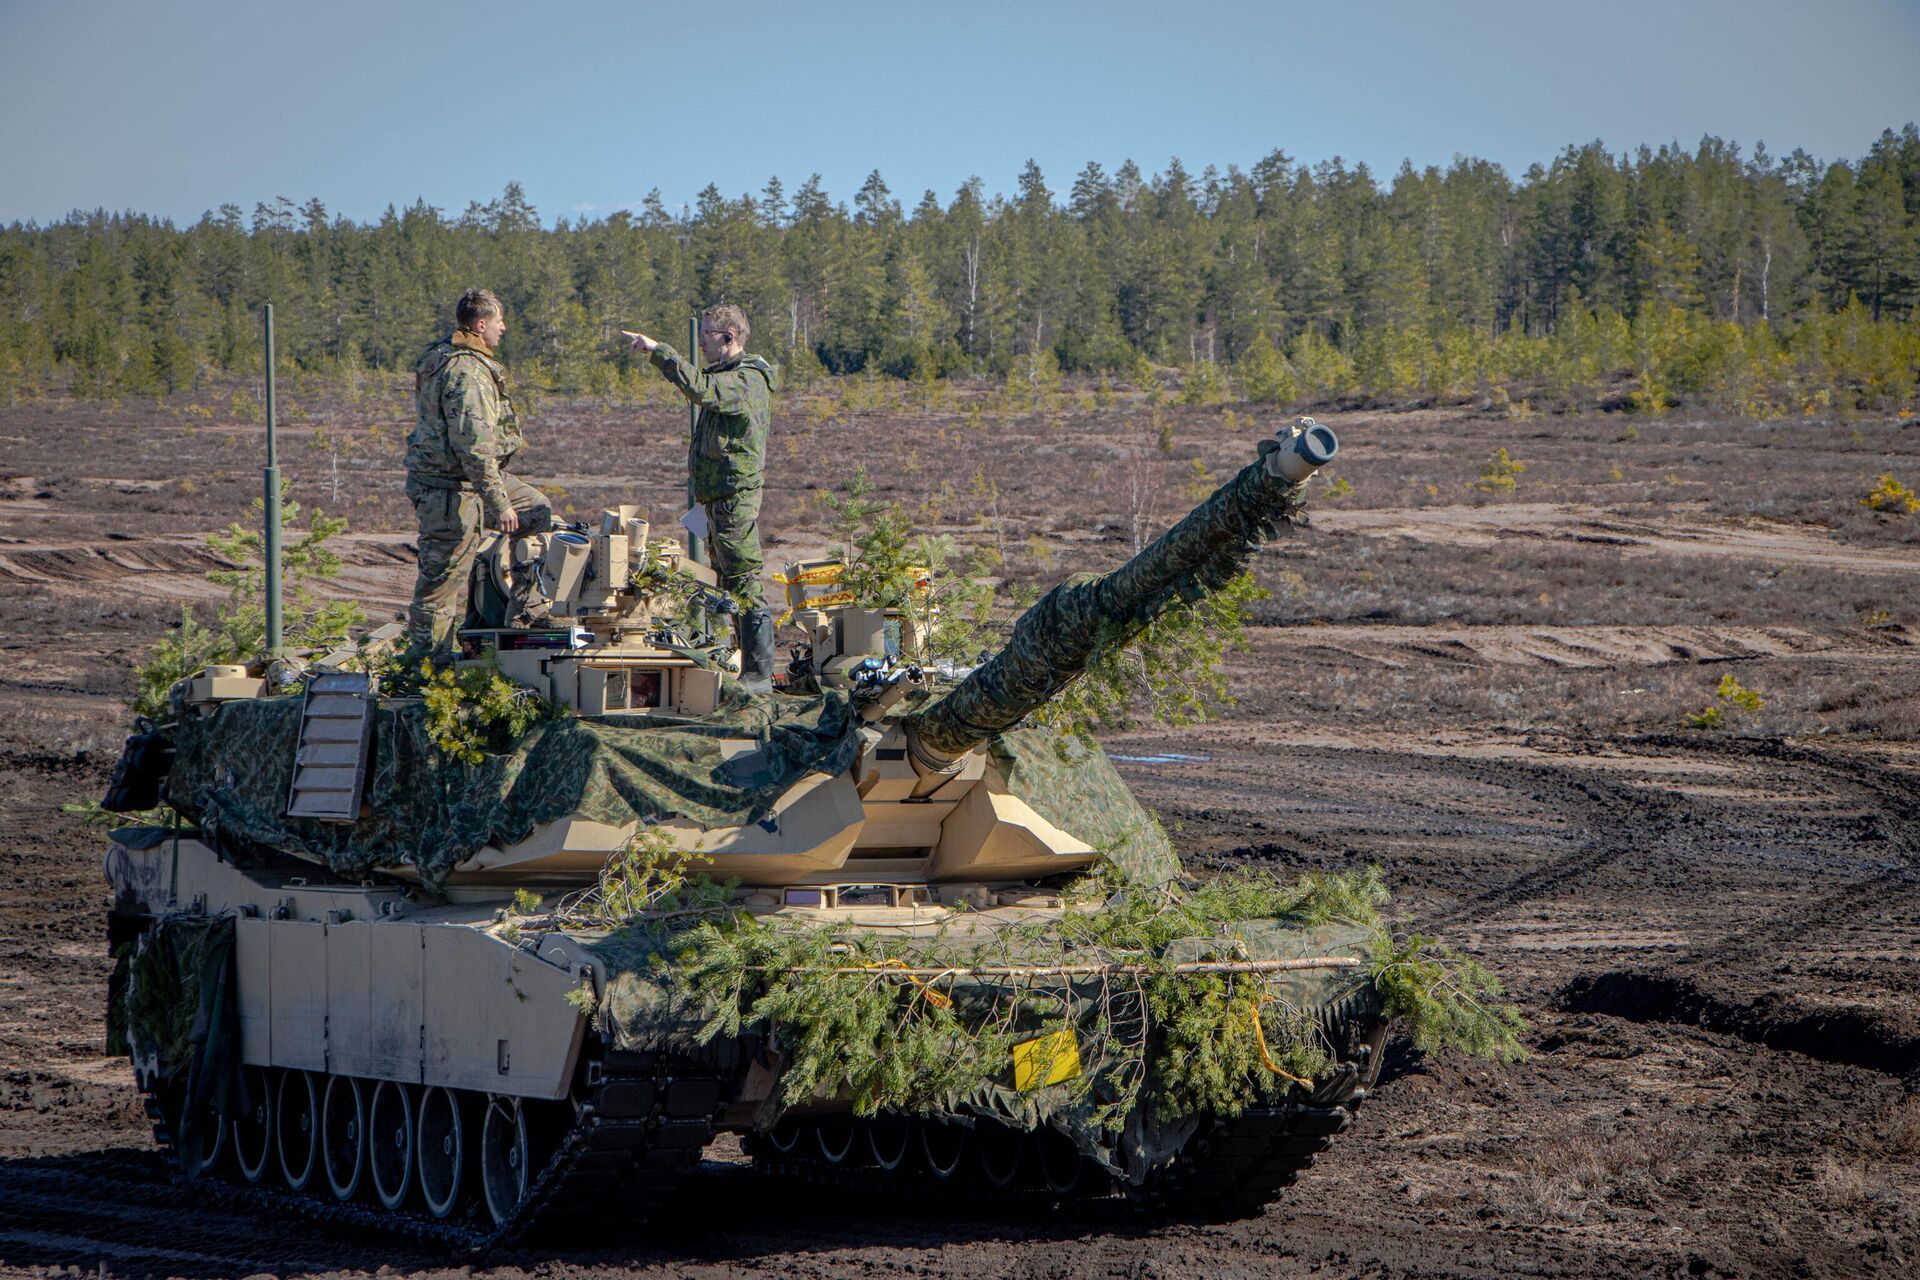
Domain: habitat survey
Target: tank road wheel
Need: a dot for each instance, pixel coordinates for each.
(296, 1127)
(785, 1136)
(1001, 1151)
(1061, 1164)
(889, 1139)
(390, 1130)
(253, 1127)
(504, 1156)
(343, 1135)
(836, 1137)
(441, 1150)
(945, 1148)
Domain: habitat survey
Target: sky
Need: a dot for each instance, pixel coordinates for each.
(174, 108)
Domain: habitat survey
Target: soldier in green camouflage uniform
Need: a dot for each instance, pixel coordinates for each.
(726, 464)
(457, 457)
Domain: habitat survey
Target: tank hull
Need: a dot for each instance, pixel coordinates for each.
(374, 1020)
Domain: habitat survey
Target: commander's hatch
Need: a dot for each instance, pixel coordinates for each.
(330, 767)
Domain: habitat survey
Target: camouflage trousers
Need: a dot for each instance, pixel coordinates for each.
(452, 524)
(733, 544)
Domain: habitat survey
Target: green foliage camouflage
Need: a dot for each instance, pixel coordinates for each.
(930, 1025)
(668, 591)
(1186, 580)
(889, 567)
(1170, 671)
(474, 711)
(239, 630)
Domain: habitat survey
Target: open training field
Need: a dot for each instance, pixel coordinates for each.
(1715, 932)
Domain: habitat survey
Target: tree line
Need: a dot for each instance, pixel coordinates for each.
(1684, 272)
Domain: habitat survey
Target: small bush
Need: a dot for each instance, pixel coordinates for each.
(1891, 496)
(1501, 474)
(1730, 698)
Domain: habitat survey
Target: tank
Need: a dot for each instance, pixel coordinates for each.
(378, 982)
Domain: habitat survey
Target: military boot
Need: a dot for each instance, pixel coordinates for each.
(753, 632)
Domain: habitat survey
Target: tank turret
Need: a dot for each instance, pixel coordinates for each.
(1053, 642)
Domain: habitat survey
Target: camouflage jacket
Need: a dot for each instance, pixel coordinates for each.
(728, 453)
(467, 432)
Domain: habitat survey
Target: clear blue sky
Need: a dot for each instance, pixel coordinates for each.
(174, 108)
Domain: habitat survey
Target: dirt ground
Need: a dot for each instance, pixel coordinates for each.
(1715, 933)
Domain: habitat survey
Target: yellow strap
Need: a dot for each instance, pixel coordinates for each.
(1266, 1057)
(925, 984)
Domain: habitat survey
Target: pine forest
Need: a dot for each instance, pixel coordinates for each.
(1767, 286)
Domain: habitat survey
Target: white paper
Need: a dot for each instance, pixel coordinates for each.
(695, 522)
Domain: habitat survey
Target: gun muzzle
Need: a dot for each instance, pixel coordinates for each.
(1297, 454)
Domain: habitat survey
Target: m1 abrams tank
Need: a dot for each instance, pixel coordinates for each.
(348, 978)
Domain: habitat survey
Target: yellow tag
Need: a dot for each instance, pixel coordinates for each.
(1048, 1060)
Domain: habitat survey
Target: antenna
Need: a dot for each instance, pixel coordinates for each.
(270, 483)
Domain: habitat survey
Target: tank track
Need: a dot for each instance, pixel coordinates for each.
(638, 1128)
(1231, 1168)
(1234, 1167)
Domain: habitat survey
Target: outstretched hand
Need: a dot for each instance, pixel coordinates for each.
(639, 341)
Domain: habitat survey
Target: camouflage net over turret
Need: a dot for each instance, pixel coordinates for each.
(1055, 640)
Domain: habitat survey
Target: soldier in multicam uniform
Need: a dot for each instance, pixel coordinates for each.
(456, 467)
(726, 462)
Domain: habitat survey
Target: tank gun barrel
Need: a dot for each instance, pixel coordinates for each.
(1055, 640)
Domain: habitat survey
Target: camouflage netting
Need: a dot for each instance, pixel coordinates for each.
(232, 771)
(177, 1012)
(1077, 789)
(1053, 641)
(647, 1005)
(233, 768)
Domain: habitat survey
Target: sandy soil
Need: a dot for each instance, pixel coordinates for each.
(1715, 934)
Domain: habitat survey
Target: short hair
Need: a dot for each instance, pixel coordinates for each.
(476, 305)
(728, 317)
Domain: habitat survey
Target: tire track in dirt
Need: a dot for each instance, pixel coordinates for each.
(376, 569)
(1724, 978)
(1693, 987)
(1583, 647)
(1568, 522)
(115, 1207)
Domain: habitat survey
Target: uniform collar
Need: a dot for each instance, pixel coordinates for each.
(470, 340)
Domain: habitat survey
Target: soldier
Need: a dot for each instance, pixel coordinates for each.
(456, 467)
(726, 462)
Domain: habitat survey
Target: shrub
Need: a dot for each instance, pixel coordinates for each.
(1892, 496)
(1501, 474)
(239, 631)
(1729, 699)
